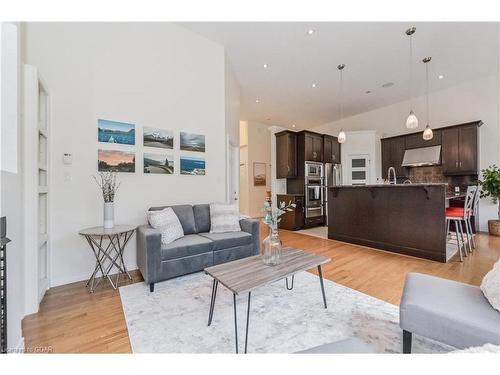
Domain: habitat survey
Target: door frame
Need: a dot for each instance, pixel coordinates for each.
(233, 172)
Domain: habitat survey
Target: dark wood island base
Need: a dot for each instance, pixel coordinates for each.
(406, 219)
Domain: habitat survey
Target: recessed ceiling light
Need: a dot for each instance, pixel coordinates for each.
(441, 76)
(368, 92)
(265, 66)
(388, 84)
(310, 31)
(257, 101)
(313, 85)
(293, 125)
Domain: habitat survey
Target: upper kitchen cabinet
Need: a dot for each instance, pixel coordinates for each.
(416, 140)
(331, 149)
(459, 149)
(286, 154)
(313, 146)
(393, 150)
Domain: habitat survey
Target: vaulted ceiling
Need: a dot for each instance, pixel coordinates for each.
(300, 55)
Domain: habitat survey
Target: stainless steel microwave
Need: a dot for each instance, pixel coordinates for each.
(314, 169)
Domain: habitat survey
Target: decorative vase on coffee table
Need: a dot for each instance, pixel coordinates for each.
(109, 215)
(271, 247)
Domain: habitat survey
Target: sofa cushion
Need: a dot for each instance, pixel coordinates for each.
(228, 239)
(202, 217)
(191, 244)
(448, 311)
(185, 214)
(224, 218)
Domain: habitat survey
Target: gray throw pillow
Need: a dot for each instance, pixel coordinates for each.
(224, 218)
(167, 222)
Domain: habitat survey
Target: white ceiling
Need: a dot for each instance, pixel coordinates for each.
(374, 54)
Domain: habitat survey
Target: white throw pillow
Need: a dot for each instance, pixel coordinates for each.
(491, 286)
(224, 218)
(167, 222)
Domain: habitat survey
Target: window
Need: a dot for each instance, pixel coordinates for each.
(359, 169)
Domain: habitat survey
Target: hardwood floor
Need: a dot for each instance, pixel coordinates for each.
(72, 320)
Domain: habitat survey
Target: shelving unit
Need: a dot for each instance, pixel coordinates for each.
(36, 169)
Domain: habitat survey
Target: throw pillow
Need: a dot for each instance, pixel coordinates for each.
(167, 222)
(491, 286)
(224, 218)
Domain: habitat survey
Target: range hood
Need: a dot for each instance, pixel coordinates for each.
(419, 157)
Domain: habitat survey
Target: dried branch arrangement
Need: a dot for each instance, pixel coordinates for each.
(108, 184)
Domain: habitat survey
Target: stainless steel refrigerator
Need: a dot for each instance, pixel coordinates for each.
(333, 177)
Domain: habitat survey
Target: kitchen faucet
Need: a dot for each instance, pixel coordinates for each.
(394, 181)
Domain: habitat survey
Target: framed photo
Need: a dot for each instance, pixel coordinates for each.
(192, 165)
(115, 132)
(161, 138)
(115, 161)
(259, 174)
(158, 163)
(192, 142)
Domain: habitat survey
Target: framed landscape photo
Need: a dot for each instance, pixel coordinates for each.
(161, 138)
(115, 161)
(192, 142)
(259, 174)
(158, 163)
(192, 165)
(115, 132)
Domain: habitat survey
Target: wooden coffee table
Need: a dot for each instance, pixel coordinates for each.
(244, 275)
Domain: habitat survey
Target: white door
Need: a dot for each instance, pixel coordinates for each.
(233, 173)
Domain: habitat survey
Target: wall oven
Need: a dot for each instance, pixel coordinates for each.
(314, 197)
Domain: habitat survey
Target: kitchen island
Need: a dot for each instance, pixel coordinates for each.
(407, 218)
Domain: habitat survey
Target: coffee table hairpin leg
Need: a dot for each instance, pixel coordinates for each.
(236, 322)
(322, 285)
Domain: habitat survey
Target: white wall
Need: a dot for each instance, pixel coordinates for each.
(470, 101)
(11, 182)
(155, 74)
(255, 148)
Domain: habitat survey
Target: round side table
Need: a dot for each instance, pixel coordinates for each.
(107, 246)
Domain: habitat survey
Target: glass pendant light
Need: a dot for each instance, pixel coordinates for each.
(342, 136)
(412, 120)
(428, 133)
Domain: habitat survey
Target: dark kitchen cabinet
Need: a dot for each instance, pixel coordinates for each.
(286, 154)
(331, 149)
(416, 140)
(313, 147)
(393, 150)
(459, 150)
(292, 220)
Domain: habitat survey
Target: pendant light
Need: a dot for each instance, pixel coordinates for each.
(342, 136)
(428, 133)
(412, 120)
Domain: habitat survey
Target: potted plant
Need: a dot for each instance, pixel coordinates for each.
(490, 187)
(271, 246)
(109, 186)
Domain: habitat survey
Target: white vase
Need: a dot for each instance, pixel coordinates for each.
(109, 215)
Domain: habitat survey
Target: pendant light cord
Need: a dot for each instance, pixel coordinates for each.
(341, 96)
(411, 72)
(427, 91)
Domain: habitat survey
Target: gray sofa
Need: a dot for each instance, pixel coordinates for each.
(196, 250)
(447, 311)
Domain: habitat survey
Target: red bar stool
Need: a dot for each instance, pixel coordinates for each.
(461, 215)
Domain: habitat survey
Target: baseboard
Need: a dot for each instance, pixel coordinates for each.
(81, 277)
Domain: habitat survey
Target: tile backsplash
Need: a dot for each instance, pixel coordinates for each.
(434, 174)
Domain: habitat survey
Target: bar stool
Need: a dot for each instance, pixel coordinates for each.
(461, 215)
(474, 212)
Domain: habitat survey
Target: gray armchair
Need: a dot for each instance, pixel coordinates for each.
(195, 251)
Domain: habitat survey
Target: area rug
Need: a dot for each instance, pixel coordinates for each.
(173, 319)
